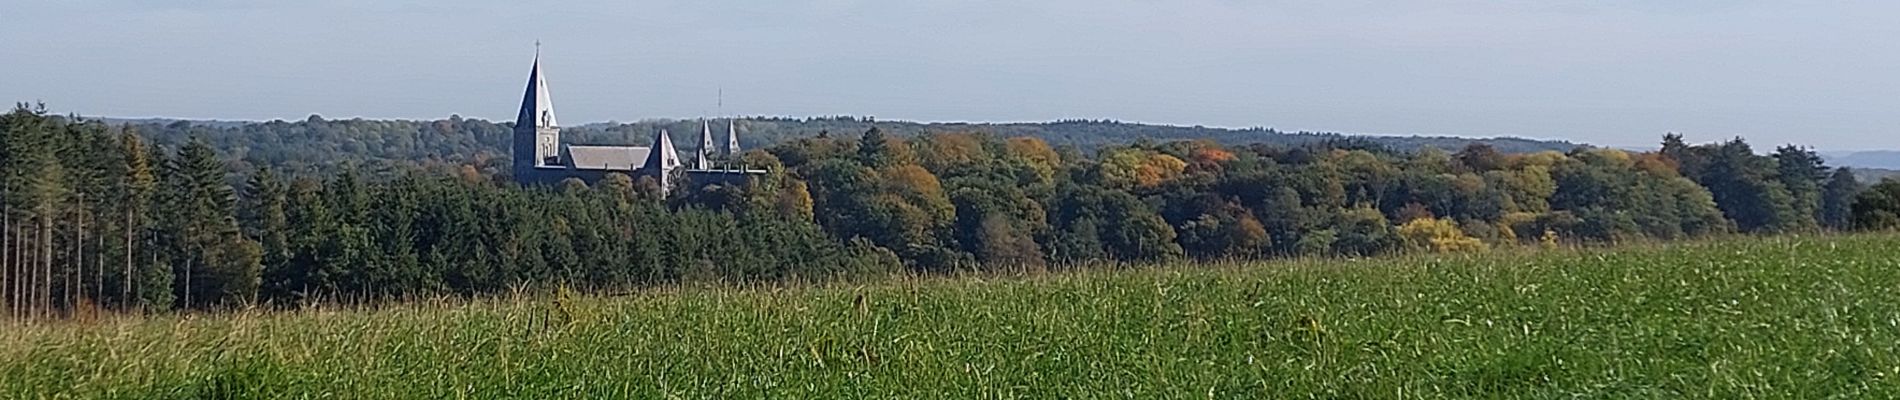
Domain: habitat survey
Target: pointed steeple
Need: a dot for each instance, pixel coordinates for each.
(661, 160)
(662, 157)
(732, 139)
(704, 159)
(537, 108)
(537, 137)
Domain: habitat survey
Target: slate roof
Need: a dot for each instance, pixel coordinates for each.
(537, 108)
(665, 158)
(616, 158)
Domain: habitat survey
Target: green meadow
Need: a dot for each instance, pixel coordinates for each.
(1784, 317)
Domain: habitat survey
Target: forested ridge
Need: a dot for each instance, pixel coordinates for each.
(319, 145)
(207, 216)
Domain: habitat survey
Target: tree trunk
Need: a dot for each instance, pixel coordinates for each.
(46, 262)
(75, 269)
(79, 256)
(128, 281)
(99, 271)
(29, 268)
(32, 267)
(188, 262)
(23, 269)
(19, 269)
(6, 260)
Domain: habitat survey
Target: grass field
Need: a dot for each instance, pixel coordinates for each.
(1804, 318)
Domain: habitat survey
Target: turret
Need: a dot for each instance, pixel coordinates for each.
(662, 159)
(732, 140)
(703, 160)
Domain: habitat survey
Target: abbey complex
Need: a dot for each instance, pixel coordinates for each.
(541, 158)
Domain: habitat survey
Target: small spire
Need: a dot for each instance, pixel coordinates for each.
(661, 160)
(732, 139)
(662, 156)
(704, 159)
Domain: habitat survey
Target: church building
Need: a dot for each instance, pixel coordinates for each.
(541, 158)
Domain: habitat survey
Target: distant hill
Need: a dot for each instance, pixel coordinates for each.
(1884, 159)
(214, 123)
(1872, 175)
(316, 143)
(1094, 133)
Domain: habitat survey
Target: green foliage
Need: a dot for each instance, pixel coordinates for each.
(1748, 187)
(1363, 232)
(1803, 173)
(1837, 199)
(1317, 243)
(194, 228)
(1878, 208)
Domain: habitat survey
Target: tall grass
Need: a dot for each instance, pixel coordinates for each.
(1777, 317)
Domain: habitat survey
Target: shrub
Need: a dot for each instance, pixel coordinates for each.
(1439, 235)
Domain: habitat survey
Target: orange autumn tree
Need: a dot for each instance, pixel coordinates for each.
(1036, 153)
(1140, 168)
(942, 151)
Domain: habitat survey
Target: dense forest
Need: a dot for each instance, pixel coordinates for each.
(202, 216)
(320, 145)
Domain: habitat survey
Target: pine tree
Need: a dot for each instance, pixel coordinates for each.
(225, 264)
(8, 277)
(311, 226)
(85, 152)
(1837, 199)
(1746, 187)
(265, 220)
(1803, 173)
(34, 185)
(153, 211)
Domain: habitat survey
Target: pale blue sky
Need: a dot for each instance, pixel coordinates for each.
(1615, 72)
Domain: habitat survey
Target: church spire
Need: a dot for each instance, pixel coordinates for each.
(537, 108)
(704, 160)
(732, 139)
(663, 156)
(661, 160)
(537, 137)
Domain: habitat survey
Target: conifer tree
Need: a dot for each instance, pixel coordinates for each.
(157, 216)
(1803, 173)
(265, 219)
(1837, 199)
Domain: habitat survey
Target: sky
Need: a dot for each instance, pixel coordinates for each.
(1607, 72)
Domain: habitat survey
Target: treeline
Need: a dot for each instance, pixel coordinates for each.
(949, 200)
(319, 145)
(95, 216)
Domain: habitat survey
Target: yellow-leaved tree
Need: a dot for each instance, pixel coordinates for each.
(1439, 235)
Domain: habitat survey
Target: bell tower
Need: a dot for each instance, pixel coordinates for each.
(537, 138)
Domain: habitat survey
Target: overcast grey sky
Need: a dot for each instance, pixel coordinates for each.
(1612, 72)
